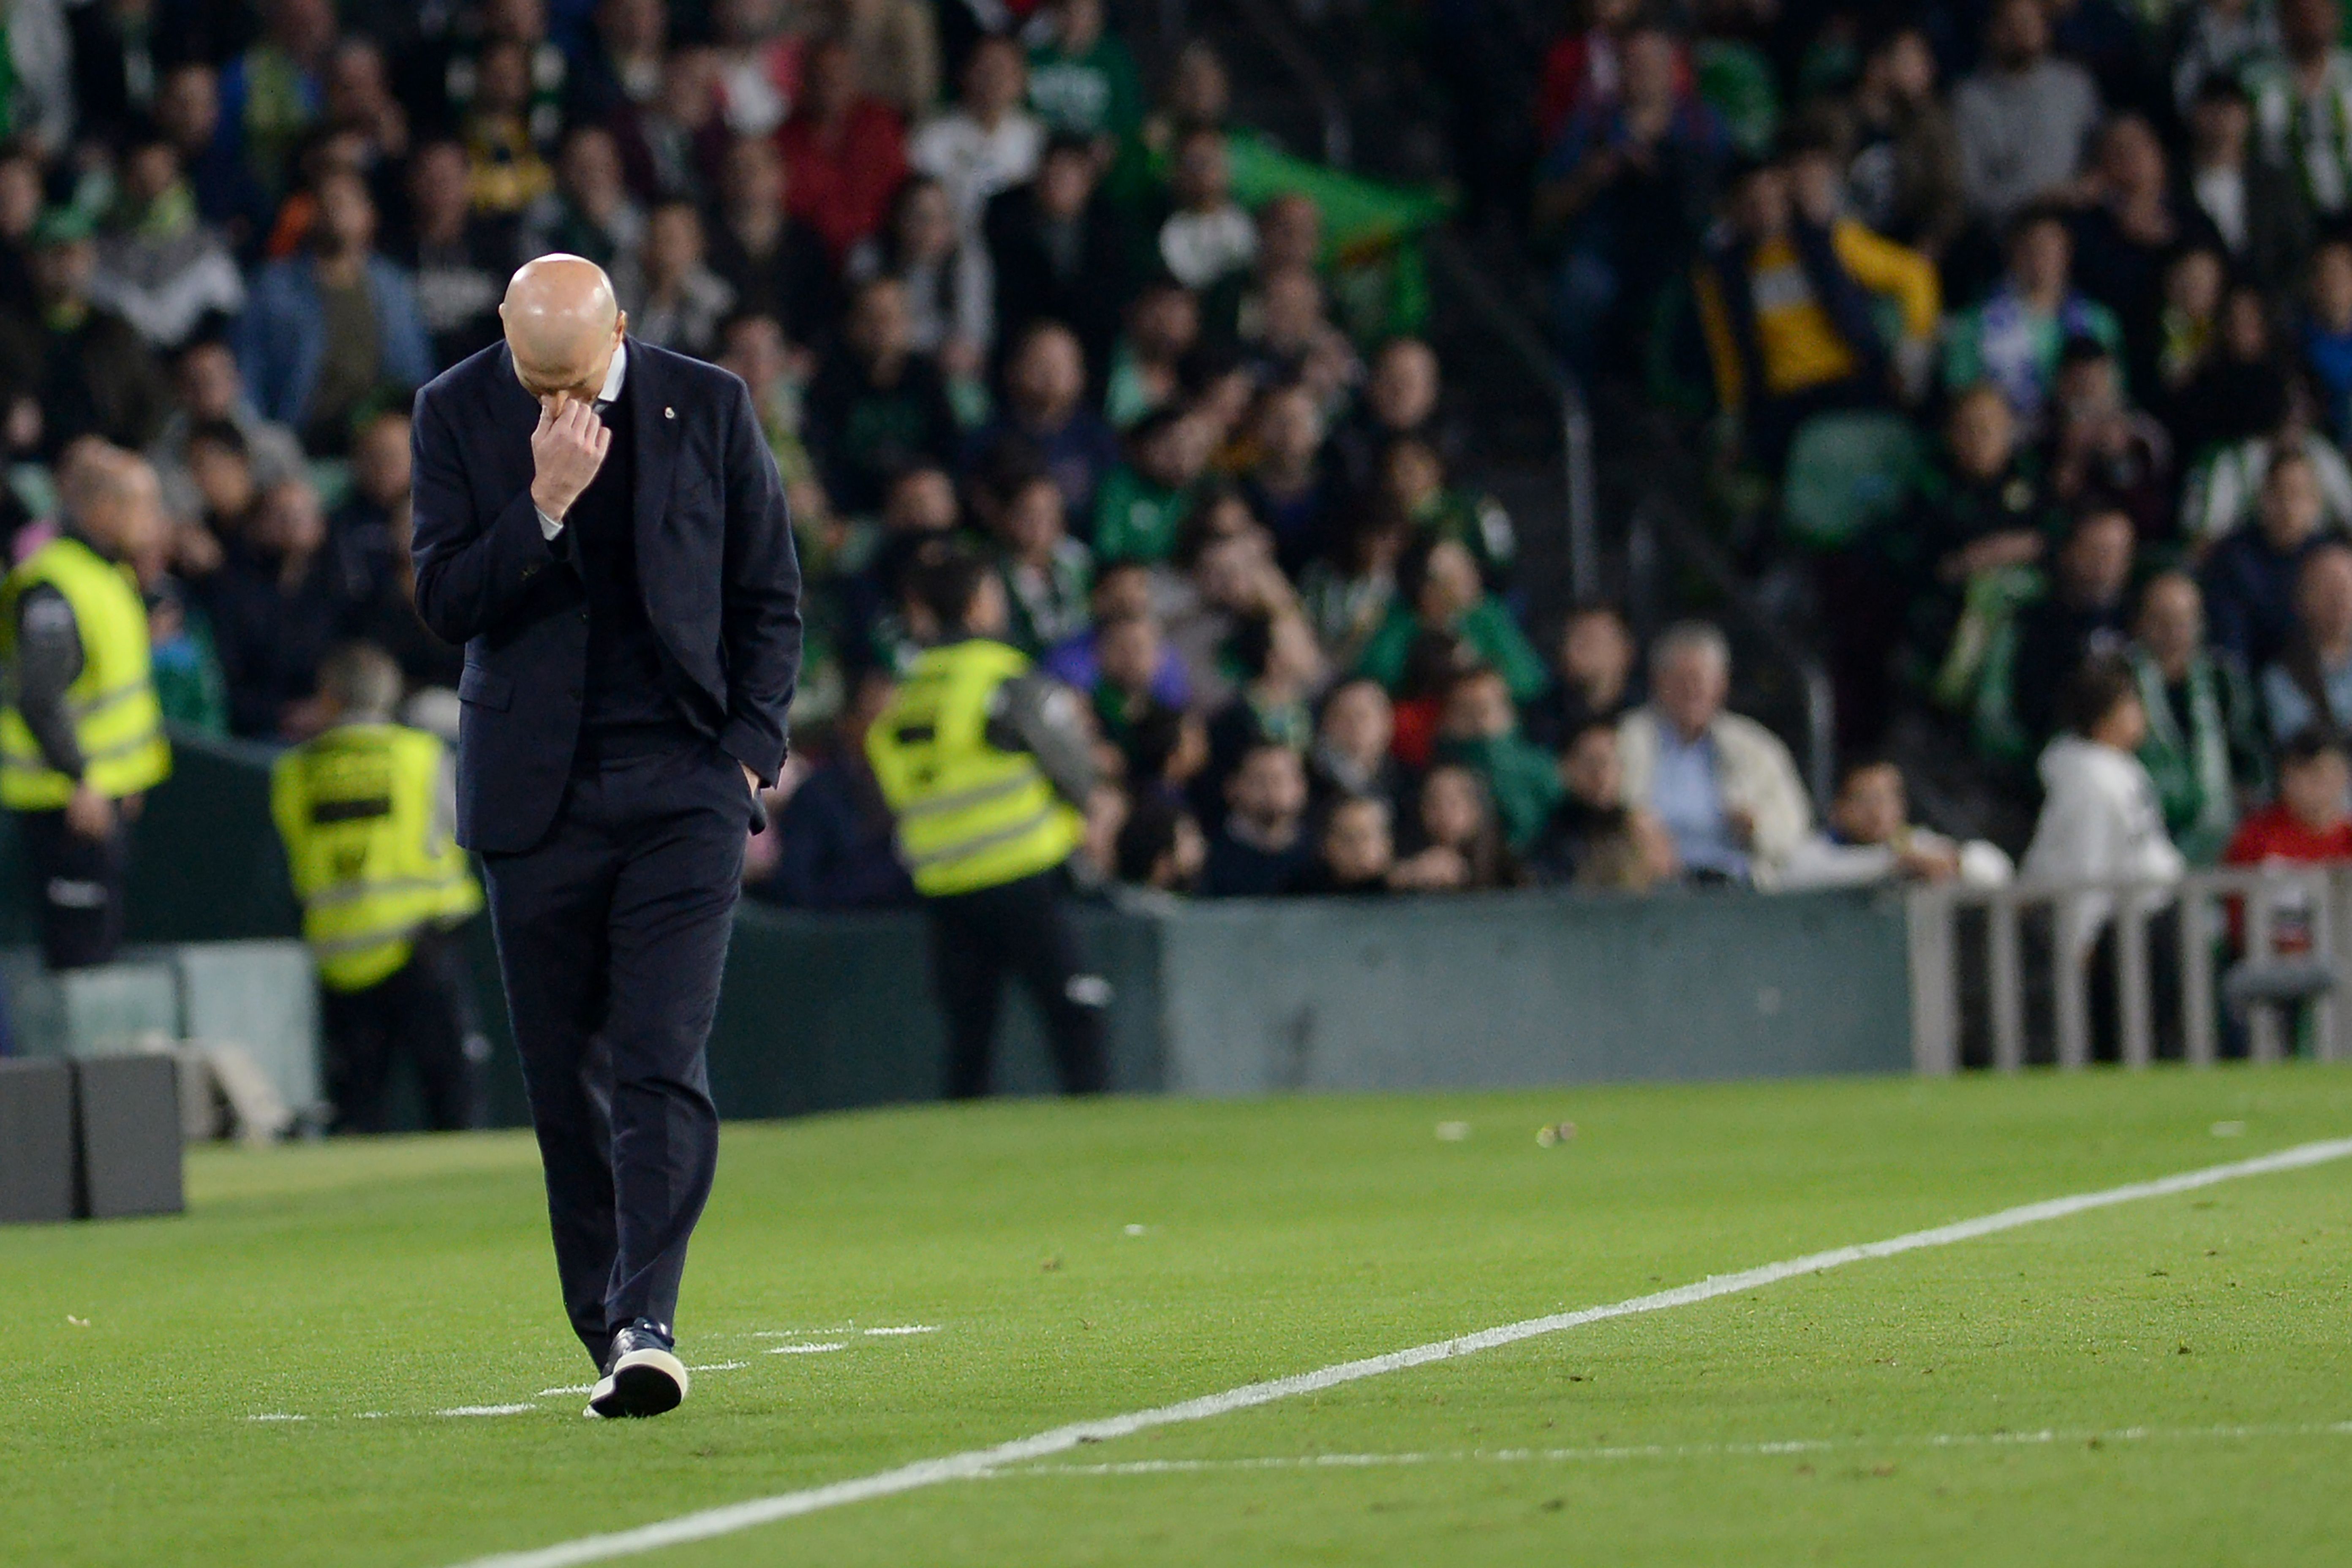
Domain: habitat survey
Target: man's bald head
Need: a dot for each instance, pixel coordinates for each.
(562, 325)
(113, 500)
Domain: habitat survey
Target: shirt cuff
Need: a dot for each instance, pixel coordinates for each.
(549, 526)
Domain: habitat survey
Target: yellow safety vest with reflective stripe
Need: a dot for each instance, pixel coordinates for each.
(117, 722)
(970, 815)
(372, 863)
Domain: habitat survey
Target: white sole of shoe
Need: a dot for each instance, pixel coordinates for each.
(641, 1382)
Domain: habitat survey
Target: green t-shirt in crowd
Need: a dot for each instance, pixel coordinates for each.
(1136, 518)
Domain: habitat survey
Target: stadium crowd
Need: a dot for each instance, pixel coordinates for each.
(2064, 283)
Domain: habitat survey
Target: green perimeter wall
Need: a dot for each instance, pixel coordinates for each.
(826, 1011)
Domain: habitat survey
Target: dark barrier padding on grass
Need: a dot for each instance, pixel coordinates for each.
(128, 1111)
(36, 1143)
(826, 1011)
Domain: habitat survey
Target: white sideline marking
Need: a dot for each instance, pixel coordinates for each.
(1673, 1451)
(276, 1415)
(558, 1393)
(488, 1410)
(720, 1366)
(901, 1328)
(731, 1517)
(807, 1350)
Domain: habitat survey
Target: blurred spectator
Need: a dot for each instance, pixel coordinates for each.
(837, 851)
(72, 367)
(1627, 185)
(1438, 590)
(947, 279)
(674, 300)
(1046, 416)
(622, 64)
(1143, 502)
(1288, 487)
(1455, 819)
(2014, 339)
(160, 267)
(2138, 217)
(896, 44)
(188, 110)
(2326, 345)
(670, 146)
(206, 387)
(2255, 206)
(2250, 576)
(1585, 69)
(376, 579)
(1285, 335)
(1058, 252)
(844, 152)
(1160, 846)
(775, 262)
(2021, 120)
(272, 93)
(1082, 80)
(1206, 241)
(1870, 838)
(760, 66)
(1902, 171)
(877, 406)
(2188, 331)
(114, 56)
(1121, 589)
(1347, 592)
(590, 213)
(2240, 393)
(1480, 731)
(1279, 670)
(1594, 839)
(2204, 748)
(2309, 823)
(2086, 611)
(1046, 572)
(1785, 297)
(987, 142)
(1400, 398)
(457, 261)
(330, 334)
(2225, 491)
(2303, 104)
(1263, 846)
(505, 128)
(2311, 681)
(1595, 684)
(1351, 755)
(1163, 329)
(2100, 821)
(273, 611)
(2218, 39)
(1355, 855)
(2103, 450)
(1724, 787)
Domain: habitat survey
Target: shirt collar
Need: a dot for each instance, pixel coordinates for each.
(613, 377)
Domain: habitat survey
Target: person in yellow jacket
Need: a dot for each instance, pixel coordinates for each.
(81, 737)
(986, 768)
(1789, 292)
(366, 813)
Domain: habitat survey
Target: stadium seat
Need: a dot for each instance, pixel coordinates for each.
(1846, 473)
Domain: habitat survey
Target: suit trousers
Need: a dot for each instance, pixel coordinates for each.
(611, 934)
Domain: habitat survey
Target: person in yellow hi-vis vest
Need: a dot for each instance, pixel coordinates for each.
(367, 817)
(985, 765)
(81, 738)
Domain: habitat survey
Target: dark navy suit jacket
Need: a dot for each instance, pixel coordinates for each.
(714, 556)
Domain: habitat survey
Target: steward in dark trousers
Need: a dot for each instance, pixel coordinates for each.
(81, 739)
(985, 765)
(367, 814)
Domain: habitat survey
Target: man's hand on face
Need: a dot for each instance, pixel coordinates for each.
(566, 450)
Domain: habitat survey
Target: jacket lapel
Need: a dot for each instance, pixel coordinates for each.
(656, 441)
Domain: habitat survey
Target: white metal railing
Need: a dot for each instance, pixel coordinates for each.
(2267, 986)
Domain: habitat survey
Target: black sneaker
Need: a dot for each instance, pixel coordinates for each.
(643, 1376)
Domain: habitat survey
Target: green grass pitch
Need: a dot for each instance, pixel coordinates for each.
(2164, 1382)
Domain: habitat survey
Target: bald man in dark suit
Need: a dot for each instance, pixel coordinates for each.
(600, 522)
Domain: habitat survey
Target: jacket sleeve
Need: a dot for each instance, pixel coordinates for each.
(48, 658)
(1037, 714)
(472, 571)
(759, 597)
(1895, 272)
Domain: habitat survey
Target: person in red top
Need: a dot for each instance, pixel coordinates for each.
(2309, 824)
(845, 153)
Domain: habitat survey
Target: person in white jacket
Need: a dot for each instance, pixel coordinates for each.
(1724, 787)
(2101, 823)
